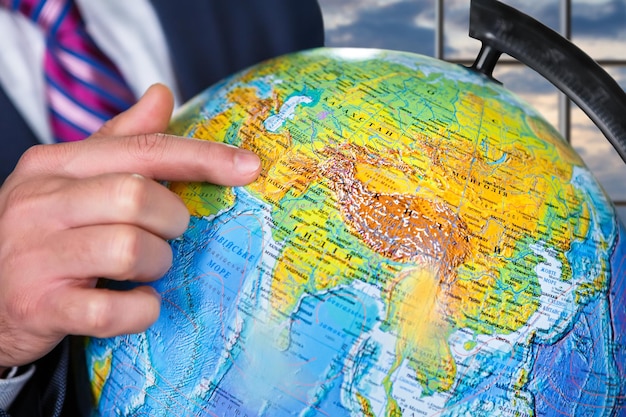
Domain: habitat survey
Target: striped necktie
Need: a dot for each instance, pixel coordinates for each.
(83, 87)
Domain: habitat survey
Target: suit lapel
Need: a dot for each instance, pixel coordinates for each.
(16, 137)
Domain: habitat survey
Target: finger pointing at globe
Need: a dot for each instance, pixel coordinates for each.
(124, 146)
(74, 212)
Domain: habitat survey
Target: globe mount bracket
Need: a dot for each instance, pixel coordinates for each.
(503, 29)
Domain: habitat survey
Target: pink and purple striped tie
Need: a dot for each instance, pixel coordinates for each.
(83, 87)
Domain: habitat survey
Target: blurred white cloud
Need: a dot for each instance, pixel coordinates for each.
(340, 13)
(388, 24)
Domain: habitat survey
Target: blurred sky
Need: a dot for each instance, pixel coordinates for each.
(597, 26)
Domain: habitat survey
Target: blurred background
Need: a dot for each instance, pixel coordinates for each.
(439, 28)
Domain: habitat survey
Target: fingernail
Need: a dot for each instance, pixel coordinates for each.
(246, 162)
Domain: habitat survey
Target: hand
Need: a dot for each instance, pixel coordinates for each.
(74, 212)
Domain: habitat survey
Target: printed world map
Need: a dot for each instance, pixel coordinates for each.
(420, 243)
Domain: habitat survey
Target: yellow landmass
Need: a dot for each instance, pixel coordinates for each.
(416, 311)
(101, 371)
(314, 260)
(203, 199)
(365, 406)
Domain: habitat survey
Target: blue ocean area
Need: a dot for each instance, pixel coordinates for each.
(305, 377)
(617, 305)
(492, 384)
(577, 375)
(593, 352)
(200, 301)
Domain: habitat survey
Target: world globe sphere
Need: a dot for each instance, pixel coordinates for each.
(420, 242)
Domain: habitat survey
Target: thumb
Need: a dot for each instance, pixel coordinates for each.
(151, 114)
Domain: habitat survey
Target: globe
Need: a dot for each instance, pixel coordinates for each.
(420, 242)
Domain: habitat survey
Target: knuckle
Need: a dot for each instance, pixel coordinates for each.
(23, 313)
(17, 199)
(43, 158)
(147, 147)
(97, 316)
(33, 157)
(26, 200)
(125, 248)
(19, 309)
(131, 194)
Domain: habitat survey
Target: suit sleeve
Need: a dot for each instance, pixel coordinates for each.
(54, 390)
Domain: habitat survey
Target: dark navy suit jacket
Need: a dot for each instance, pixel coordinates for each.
(208, 40)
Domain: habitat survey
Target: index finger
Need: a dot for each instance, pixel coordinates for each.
(154, 155)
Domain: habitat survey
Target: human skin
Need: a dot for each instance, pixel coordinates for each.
(72, 213)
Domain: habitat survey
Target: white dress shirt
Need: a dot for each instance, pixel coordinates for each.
(129, 32)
